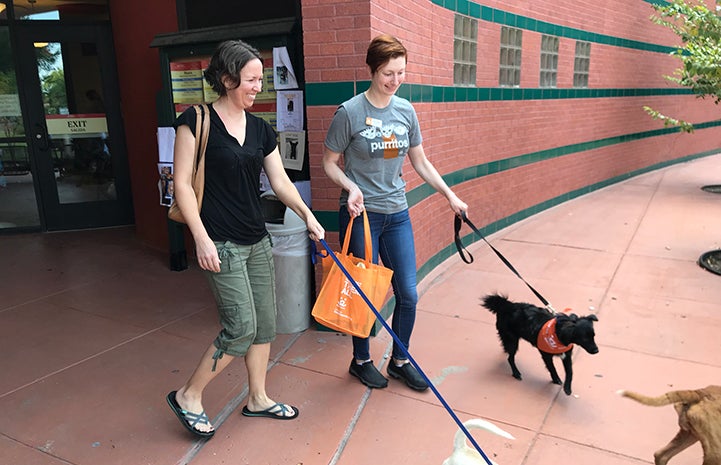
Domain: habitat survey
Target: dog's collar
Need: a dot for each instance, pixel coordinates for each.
(548, 339)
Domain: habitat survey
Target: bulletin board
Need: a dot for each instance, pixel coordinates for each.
(280, 103)
(188, 87)
(184, 54)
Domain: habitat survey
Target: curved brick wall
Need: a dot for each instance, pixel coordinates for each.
(509, 153)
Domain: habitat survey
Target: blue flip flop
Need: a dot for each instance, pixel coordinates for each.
(189, 419)
(277, 411)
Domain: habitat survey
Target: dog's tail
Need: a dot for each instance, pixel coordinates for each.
(459, 441)
(671, 397)
(497, 303)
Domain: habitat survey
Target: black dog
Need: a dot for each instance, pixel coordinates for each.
(552, 334)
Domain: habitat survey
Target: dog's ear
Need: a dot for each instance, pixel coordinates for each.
(592, 317)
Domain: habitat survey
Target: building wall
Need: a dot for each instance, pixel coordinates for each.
(140, 81)
(513, 152)
(507, 153)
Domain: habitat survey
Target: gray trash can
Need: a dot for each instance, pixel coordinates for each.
(291, 255)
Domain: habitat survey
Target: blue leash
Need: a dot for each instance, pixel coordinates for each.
(405, 351)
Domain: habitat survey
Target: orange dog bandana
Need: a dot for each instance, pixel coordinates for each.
(548, 339)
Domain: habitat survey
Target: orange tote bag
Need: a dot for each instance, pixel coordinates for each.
(339, 306)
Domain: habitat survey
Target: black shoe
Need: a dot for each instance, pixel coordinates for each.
(368, 374)
(409, 374)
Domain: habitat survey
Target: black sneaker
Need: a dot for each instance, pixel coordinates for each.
(368, 374)
(409, 374)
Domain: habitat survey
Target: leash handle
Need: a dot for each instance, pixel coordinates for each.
(405, 351)
(459, 220)
(457, 238)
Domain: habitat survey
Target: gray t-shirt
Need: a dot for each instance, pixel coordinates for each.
(374, 143)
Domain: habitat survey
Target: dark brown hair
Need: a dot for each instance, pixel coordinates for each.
(227, 61)
(382, 49)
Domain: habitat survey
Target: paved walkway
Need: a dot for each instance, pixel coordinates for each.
(95, 330)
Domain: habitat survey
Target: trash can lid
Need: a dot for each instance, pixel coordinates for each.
(292, 223)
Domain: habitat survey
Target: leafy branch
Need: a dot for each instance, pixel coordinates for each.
(699, 29)
(669, 121)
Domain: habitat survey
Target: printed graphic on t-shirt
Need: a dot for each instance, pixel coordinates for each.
(387, 142)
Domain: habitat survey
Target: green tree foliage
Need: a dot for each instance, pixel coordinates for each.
(699, 29)
(10, 126)
(47, 57)
(54, 96)
(7, 68)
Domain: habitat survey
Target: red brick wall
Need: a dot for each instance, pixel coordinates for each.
(458, 135)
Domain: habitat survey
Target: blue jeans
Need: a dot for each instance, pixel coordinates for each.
(392, 239)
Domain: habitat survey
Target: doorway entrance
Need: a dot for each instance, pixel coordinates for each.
(74, 141)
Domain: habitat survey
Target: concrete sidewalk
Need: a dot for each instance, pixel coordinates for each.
(94, 331)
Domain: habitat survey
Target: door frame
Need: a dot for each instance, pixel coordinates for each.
(55, 216)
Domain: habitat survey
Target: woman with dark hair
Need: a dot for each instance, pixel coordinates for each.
(374, 132)
(231, 242)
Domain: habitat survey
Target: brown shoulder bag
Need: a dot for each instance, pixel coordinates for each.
(198, 176)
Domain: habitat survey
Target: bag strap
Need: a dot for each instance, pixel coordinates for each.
(202, 131)
(202, 124)
(204, 119)
(462, 249)
(366, 237)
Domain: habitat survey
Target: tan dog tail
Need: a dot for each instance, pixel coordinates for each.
(459, 442)
(671, 397)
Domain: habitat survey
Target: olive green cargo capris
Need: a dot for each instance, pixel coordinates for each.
(244, 291)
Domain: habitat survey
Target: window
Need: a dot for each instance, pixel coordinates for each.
(465, 43)
(510, 66)
(549, 61)
(17, 196)
(581, 64)
(58, 10)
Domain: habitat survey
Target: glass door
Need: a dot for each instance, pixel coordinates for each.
(18, 204)
(73, 126)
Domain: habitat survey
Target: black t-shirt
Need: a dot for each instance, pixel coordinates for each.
(231, 208)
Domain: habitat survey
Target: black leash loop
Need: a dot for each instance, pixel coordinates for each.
(458, 222)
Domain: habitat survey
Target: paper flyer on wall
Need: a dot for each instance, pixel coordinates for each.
(292, 149)
(283, 74)
(289, 108)
(166, 144)
(166, 185)
(186, 78)
(264, 182)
